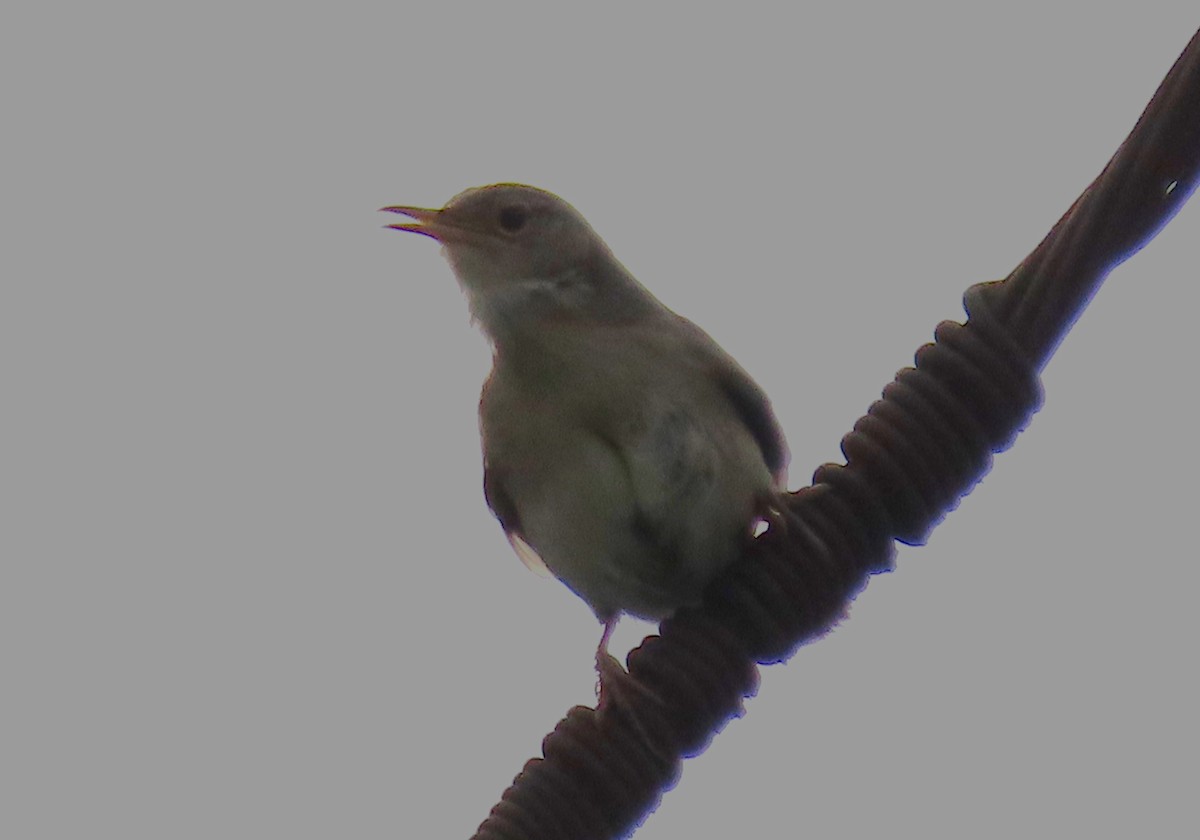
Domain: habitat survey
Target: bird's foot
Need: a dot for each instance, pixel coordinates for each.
(619, 693)
(617, 687)
(779, 514)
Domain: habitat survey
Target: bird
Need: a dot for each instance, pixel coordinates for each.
(623, 449)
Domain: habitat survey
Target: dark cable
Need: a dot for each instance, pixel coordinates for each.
(909, 460)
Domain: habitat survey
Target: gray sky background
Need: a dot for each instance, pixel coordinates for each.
(248, 583)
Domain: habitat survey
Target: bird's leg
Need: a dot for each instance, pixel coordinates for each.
(609, 671)
(615, 685)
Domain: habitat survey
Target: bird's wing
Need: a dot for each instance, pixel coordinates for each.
(505, 510)
(745, 397)
(754, 409)
(678, 460)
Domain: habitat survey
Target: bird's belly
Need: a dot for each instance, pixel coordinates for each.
(641, 521)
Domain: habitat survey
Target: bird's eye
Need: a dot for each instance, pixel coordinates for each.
(513, 218)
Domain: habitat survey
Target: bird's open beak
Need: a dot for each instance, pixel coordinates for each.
(426, 221)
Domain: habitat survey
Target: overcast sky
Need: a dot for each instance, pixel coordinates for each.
(248, 583)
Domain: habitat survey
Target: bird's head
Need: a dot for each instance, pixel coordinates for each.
(521, 252)
(506, 233)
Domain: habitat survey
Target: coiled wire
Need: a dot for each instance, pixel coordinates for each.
(909, 461)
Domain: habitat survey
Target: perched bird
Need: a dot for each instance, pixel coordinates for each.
(622, 447)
